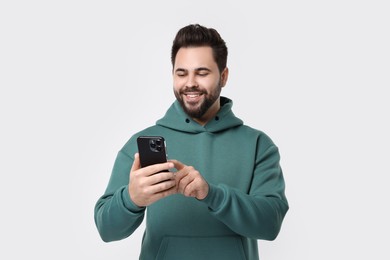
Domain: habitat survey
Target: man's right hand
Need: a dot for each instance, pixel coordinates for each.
(150, 184)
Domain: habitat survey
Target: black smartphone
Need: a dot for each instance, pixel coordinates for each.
(152, 150)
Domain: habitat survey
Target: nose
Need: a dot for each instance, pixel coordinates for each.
(191, 81)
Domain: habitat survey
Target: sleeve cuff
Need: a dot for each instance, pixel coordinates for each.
(128, 203)
(215, 198)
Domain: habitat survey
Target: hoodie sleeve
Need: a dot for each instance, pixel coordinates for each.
(259, 213)
(116, 216)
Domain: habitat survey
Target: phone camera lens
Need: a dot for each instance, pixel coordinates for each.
(156, 145)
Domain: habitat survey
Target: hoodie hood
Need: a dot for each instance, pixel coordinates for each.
(176, 119)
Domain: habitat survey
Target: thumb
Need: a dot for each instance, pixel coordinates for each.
(136, 164)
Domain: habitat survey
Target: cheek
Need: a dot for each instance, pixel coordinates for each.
(209, 83)
(178, 83)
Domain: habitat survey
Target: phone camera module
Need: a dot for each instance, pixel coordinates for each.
(155, 145)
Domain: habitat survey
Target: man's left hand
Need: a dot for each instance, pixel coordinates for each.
(190, 182)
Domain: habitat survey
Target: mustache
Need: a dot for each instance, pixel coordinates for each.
(192, 89)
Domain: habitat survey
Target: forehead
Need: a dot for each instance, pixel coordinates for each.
(194, 57)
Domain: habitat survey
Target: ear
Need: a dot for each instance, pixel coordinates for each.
(224, 76)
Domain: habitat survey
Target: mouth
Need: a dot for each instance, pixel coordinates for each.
(192, 97)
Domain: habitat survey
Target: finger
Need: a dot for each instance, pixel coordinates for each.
(197, 189)
(190, 190)
(162, 186)
(161, 177)
(136, 164)
(180, 175)
(184, 172)
(178, 165)
(183, 183)
(157, 168)
(169, 192)
(163, 194)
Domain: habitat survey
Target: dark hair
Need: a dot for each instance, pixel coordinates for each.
(195, 35)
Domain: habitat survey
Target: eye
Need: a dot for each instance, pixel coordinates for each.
(181, 73)
(203, 72)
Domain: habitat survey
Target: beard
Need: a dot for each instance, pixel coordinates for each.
(198, 109)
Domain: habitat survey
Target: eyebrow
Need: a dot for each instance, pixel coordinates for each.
(197, 69)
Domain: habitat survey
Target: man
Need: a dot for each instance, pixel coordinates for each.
(227, 188)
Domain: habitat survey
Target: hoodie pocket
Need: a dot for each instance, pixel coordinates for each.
(191, 248)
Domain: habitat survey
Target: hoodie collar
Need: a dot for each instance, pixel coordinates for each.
(176, 119)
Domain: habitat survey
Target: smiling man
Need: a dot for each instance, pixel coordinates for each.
(198, 82)
(222, 189)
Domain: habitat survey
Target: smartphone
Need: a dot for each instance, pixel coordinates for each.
(152, 150)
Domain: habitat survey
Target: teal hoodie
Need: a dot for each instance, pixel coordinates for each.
(246, 200)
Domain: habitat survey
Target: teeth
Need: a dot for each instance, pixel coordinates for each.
(193, 96)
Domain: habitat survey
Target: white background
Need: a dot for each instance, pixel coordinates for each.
(78, 78)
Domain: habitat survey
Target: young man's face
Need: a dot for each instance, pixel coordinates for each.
(197, 82)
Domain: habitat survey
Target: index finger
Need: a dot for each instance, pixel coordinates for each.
(178, 165)
(156, 168)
